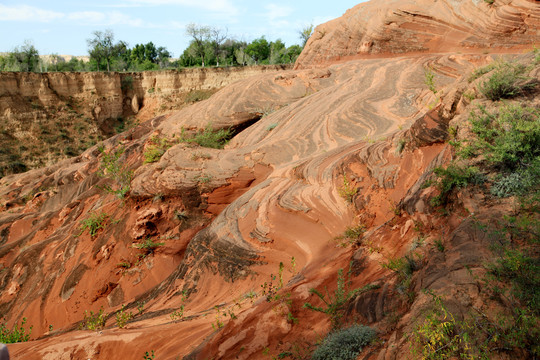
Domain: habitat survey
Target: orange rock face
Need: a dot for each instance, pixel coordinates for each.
(214, 251)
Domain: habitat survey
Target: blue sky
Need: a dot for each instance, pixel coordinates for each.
(62, 26)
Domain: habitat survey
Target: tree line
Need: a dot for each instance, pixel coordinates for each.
(209, 46)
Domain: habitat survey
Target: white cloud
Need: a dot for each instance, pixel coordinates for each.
(87, 17)
(277, 11)
(224, 7)
(27, 13)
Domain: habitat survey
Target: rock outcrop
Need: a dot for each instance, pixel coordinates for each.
(214, 251)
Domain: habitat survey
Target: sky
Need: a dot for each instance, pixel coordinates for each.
(63, 26)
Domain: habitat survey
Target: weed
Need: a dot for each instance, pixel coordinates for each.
(507, 81)
(124, 264)
(347, 190)
(293, 265)
(454, 177)
(122, 317)
(156, 148)
(208, 137)
(481, 71)
(111, 166)
(93, 223)
(93, 321)
(180, 215)
(149, 356)
(345, 344)
(439, 245)
(335, 303)
(218, 323)
(351, 236)
(271, 127)
(429, 80)
(401, 145)
(16, 334)
(148, 246)
(140, 307)
(151, 90)
(177, 314)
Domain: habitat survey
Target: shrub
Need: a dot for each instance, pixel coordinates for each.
(509, 139)
(481, 71)
(155, 150)
(429, 80)
(16, 334)
(351, 235)
(198, 95)
(335, 303)
(93, 321)
(208, 137)
(148, 246)
(111, 167)
(454, 177)
(122, 317)
(344, 344)
(347, 191)
(94, 222)
(505, 82)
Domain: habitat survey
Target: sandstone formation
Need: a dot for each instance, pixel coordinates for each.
(385, 28)
(214, 251)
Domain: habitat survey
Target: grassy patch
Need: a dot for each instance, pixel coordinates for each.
(111, 166)
(208, 137)
(454, 177)
(156, 148)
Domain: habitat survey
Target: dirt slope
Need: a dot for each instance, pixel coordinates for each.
(314, 151)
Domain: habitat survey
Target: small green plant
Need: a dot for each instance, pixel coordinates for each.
(112, 167)
(351, 236)
(178, 314)
(149, 355)
(93, 223)
(439, 245)
(124, 265)
(401, 145)
(93, 321)
(148, 246)
(140, 306)
(429, 80)
(490, 2)
(347, 190)
(454, 177)
(271, 127)
(180, 215)
(218, 324)
(208, 137)
(122, 317)
(481, 71)
(345, 344)
(16, 334)
(506, 81)
(156, 148)
(151, 90)
(335, 303)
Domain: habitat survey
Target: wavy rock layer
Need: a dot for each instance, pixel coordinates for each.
(315, 151)
(385, 27)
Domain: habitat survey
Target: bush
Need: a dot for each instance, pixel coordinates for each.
(454, 177)
(93, 321)
(148, 246)
(111, 167)
(344, 344)
(93, 223)
(505, 82)
(156, 149)
(208, 137)
(16, 334)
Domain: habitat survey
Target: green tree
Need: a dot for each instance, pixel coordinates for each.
(200, 35)
(25, 57)
(259, 49)
(305, 34)
(102, 48)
